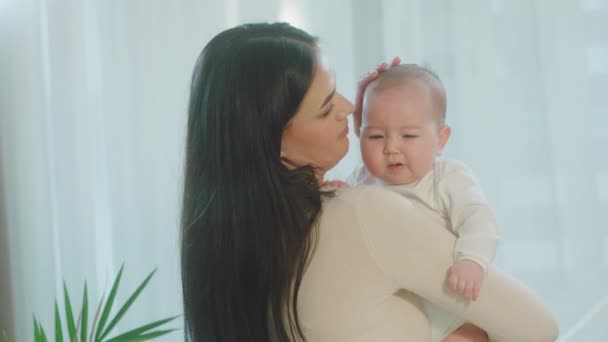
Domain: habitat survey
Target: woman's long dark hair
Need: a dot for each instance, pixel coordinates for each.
(247, 220)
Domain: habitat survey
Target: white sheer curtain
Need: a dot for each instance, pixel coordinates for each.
(527, 84)
(92, 115)
(527, 89)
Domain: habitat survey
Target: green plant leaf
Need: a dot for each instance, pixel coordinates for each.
(37, 336)
(134, 334)
(84, 315)
(58, 329)
(69, 316)
(43, 334)
(145, 337)
(108, 306)
(75, 337)
(94, 323)
(127, 304)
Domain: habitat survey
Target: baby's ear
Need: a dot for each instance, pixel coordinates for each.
(444, 135)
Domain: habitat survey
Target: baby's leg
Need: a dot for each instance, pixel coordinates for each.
(467, 333)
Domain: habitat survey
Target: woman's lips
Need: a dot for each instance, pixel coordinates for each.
(344, 132)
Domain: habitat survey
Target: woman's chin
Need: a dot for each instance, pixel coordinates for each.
(344, 149)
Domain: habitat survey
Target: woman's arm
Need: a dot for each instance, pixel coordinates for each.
(411, 246)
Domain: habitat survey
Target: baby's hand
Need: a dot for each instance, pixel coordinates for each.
(465, 278)
(338, 184)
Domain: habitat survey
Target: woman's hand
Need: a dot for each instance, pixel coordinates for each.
(336, 184)
(369, 78)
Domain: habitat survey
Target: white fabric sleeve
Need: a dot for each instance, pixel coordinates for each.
(412, 247)
(469, 213)
(353, 177)
(360, 176)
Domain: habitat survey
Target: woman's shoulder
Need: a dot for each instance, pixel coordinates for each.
(381, 213)
(371, 202)
(364, 194)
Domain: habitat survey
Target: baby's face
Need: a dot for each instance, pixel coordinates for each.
(401, 133)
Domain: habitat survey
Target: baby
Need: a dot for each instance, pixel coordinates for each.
(402, 133)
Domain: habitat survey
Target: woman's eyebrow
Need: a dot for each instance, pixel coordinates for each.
(328, 98)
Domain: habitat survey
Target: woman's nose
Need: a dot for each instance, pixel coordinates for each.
(346, 108)
(350, 107)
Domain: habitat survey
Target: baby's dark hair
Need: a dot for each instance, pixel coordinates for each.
(404, 73)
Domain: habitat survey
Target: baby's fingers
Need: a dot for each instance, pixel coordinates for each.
(468, 290)
(476, 288)
(462, 286)
(453, 283)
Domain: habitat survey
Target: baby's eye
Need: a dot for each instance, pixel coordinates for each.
(375, 136)
(409, 136)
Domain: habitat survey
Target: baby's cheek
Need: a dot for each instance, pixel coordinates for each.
(372, 161)
(426, 165)
(367, 151)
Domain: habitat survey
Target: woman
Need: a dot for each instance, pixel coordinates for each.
(268, 254)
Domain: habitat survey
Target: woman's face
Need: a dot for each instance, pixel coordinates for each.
(317, 135)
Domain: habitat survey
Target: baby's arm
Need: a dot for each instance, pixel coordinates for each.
(412, 247)
(472, 219)
(469, 213)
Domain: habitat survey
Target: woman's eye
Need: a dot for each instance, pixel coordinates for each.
(326, 113)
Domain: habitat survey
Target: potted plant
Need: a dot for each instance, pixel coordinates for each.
(99, 327)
